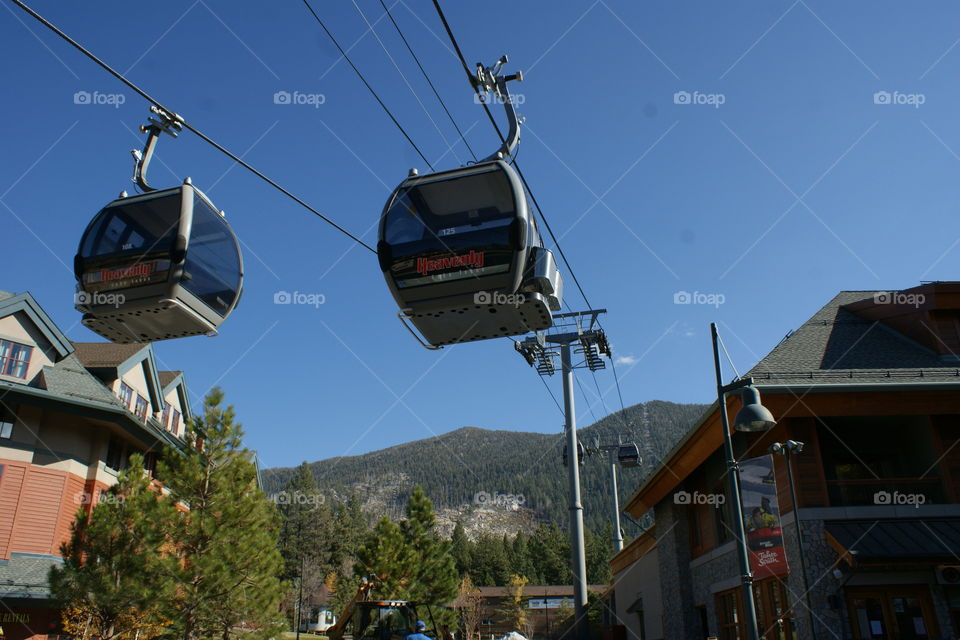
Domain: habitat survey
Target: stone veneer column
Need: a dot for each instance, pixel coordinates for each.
(821, 559)
(680, 621)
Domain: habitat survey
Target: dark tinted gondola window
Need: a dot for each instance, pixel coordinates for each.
(139, 228)
(212, 267)
(437, 210)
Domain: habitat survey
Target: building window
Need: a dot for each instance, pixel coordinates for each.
(126, 394)
(14, 359)
(175, 427)
(114, 455)
(141, 408)
(728, 614)
(165, 418)
(868, 461)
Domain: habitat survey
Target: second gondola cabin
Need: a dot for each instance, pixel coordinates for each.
(462, 256)
(157, 266)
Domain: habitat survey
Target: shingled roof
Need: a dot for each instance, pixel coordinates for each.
(166, 377)
(105, 354)
(837, 346)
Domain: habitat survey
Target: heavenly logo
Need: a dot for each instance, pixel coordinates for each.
(473, 259)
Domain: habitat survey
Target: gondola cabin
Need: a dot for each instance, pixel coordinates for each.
(581, 454)
(157, 266)
(629, 455)
(462, 256)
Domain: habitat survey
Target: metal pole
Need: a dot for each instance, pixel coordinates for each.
(578, 555)
(617, 535)
(803, 560)
(733, 473)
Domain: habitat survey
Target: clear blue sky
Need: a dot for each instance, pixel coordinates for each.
(651, 197)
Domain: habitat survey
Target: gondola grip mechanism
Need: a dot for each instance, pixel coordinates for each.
(171, 124)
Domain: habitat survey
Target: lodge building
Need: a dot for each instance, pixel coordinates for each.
(871, 385)
(71, 414)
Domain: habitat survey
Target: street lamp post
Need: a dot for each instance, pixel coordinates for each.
(753, 416)
(787, 450)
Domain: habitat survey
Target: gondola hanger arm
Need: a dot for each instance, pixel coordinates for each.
(165, 122)
(490, 79)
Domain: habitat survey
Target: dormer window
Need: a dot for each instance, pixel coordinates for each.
(175, 427)
(126, 394)
(14, 359)
(165, 418)
(141, 408)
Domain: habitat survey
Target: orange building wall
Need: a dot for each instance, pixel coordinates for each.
(37, 506)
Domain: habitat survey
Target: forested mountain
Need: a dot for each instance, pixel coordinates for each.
(474, 474)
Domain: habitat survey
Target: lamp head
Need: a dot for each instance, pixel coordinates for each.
(753, 416)
(794, 446)
(777, 448)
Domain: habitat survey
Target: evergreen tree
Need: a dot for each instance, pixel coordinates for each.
(387, 560)
(599, 549)
(227, 543)
(489, 562)
(550, 554)
(114, 575)
(306, 539)
(520, 557)
(460, 548)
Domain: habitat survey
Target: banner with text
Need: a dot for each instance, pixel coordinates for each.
(761, 512)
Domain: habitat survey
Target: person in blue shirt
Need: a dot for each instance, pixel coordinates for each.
(419, 635)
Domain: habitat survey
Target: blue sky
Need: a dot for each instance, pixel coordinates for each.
(778, 178)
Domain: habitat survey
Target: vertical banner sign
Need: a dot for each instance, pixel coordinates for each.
(761, 513)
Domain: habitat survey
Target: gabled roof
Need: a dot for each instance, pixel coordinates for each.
(841, 348)
(25, 302)
(106, 355)
(838, 345)
(168, 377)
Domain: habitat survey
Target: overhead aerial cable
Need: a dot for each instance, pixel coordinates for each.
(186, 125)
(376, 96)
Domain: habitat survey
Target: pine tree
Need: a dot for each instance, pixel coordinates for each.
(387, 560)
(306, 539)
(460, 548)
(514, 608)
(227, 542)
(550, 554)
(114, 576)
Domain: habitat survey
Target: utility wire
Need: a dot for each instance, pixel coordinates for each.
(429, 81)
(404, 78)
(143, 94)
(364, 81)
